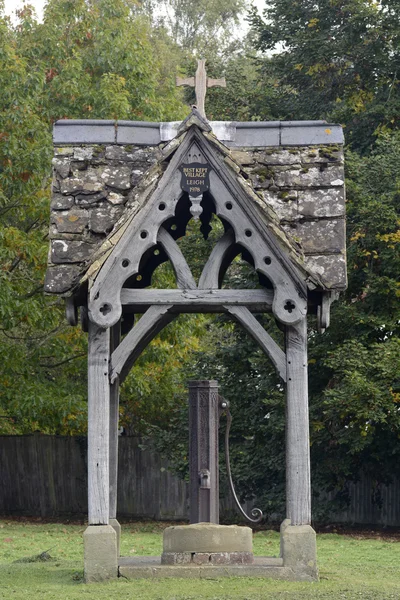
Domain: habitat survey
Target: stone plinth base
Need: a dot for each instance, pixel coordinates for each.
(207, 558)
(299, 550)
(208, 538)
(100, 553)
(207, 544)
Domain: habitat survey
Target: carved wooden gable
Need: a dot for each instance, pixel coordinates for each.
(284, 205)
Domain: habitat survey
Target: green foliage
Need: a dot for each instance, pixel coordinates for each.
(355, 365)
(252, 92)
(100, 60)
(204, 27)
(87, 59)
(339, 58)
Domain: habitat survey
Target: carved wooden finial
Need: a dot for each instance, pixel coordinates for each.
(201, 82)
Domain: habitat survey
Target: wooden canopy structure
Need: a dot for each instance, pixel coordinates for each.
(193, 176)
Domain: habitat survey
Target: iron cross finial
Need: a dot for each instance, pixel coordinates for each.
(201, 82)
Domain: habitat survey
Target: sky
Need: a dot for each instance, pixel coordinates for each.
(12, 5)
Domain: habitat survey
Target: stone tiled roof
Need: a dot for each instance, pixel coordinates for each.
(98, 188)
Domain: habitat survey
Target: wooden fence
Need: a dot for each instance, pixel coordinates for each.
(46, 476)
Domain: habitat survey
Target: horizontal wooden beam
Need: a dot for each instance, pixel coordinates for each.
(197, 300)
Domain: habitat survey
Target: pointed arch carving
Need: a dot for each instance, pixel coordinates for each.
(234, 205)
(157, 317)
(290, 299)
(212, 273)
(183, 274)
(104, 298)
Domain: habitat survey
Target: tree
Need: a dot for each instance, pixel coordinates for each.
(87, 59)
(355, 366)
(99, 60)
(341, 60)
(252, 92)
(204, 27)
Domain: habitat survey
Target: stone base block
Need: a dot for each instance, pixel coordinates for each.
(207, 558)
(299, 551)
(117, 527)
(100, 553)
(208, 538)
(285, 523)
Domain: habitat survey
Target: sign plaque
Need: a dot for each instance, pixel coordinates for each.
(195, 178)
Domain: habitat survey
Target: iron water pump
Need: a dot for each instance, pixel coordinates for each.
(205, 409)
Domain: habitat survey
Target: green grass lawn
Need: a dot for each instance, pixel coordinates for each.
(351, 567)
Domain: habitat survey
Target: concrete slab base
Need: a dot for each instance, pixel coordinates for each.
(297, 562)
(299, 551)
(100, 553)
(150, 567)
(117, 527)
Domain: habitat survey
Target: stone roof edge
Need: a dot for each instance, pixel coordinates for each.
(240, 134)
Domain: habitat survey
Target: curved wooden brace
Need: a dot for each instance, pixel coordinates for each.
(290, 300)
(209, 278)
(183, 274)
(324, 311)
(104, 299)
(257, 331)
(157, 317)
(129, 350)
(71, 311)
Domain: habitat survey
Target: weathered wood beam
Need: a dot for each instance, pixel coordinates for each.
(139, 236)
(148, 326)
(98, 425)
(115, 338)
(199, 300)
(210, 276)
(200, 309)
(257, 331)
(290, 299)
(183, 274)
(298, 485)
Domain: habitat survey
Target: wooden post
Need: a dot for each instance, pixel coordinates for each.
(98, 424)
(115, 336)
(298, 485)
